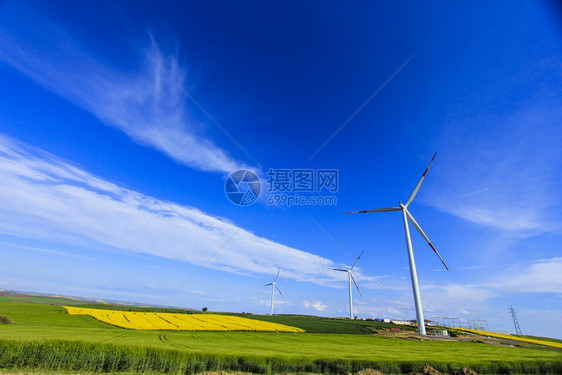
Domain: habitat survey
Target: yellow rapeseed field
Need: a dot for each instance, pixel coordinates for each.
(511, 337)
(179, 322)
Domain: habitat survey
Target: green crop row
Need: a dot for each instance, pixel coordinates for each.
(58, 355)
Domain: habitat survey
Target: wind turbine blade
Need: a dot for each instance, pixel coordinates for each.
(355, 282)
(417, 226)
(279, 290)
(277, 275)
(386, 209)
(411, 197)
(357, 260)
(339, 269)
(268, 284)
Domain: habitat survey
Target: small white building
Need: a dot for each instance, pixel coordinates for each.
(428, 323)
(401, 322)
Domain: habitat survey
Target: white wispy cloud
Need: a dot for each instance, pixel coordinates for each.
(464, 300)
(503, 172)
(8, 245)
(48, 199)
(142, 101)
(538, 277)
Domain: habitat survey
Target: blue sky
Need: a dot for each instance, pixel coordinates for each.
(120, 123)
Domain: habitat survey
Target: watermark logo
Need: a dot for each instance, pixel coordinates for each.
(296, 187)
(300, 200)
(302, 180)
(242, 187)
(286, 187)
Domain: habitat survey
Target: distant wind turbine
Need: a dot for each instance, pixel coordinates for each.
(405, 217)
(273, 287)
(349, 278)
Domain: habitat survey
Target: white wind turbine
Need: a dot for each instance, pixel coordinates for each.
(273, 287)
(349, 278)
(413, 274)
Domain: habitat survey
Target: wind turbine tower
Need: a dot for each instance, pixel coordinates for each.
(273, 287)
(349, 278)
(413, 273)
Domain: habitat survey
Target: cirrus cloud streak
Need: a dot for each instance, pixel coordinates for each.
(48, 199)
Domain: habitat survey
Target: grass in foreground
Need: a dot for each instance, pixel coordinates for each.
(44, 337)
(109, 358)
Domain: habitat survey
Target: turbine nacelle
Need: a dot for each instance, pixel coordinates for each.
(404, 207)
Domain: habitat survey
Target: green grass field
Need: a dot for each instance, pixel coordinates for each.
(325, 325)
(44, 337)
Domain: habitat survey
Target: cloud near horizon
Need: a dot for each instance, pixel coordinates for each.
(316, 305)
(145, 104)
(540, 276)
